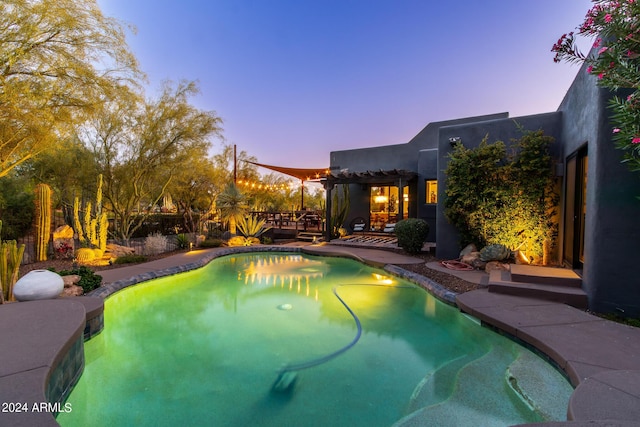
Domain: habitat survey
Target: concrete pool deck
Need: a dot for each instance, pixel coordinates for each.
(601, 358)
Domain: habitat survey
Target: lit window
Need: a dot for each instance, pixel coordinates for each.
(431, 191)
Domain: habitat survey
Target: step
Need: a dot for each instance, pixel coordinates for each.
(308, 236)
(545, 275)
(499, 282)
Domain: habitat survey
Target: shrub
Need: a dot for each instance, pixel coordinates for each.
(182, 241)
(496, 196)
(88, 279)
(412, 233)
(155, 244)
(211, 243)
(130, 259)
(243, 241)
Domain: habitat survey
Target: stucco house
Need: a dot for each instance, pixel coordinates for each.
(599, 234)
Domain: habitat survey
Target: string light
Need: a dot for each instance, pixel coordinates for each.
(257, 185)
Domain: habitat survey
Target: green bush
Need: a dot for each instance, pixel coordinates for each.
(130, 259)
(505, 196)
(182, 241)
(412, 233)
(88, 279)
(211, 243)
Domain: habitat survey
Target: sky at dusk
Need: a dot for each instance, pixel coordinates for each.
(294, 80)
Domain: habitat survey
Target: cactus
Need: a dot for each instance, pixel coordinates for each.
(10, 259)
(85, 255)
(93, 231)
(495, 253)
(76, 219)
(43, 220)
(340, 209)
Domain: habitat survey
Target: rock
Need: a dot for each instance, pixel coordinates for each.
(70, 280)
(479, 264)
(37, 285)
(115, 251)
(469, 258)
(72, 291)
(495, 265)
(63, 232)
(470, 248)
(473, 259)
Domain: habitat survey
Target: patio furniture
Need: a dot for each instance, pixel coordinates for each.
(358, 225)
(389, 228)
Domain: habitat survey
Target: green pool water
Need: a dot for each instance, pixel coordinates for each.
(205, 347)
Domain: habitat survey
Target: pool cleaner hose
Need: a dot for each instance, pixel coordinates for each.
(288, 375)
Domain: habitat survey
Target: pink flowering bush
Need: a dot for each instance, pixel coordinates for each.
(615, 60)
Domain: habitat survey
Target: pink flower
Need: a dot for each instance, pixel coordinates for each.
(616, 130)
(600, 76)
(635, 140)
(597, 42)
(589, 69)
(602, 50)
(607, 18)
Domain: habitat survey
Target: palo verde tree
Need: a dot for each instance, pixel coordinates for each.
(139, 147)
(496, 197)
(193, 189)
(59, 61)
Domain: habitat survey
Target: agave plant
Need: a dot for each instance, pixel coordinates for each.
(251, 226)
(251, 229)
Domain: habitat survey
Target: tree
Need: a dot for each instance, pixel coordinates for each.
(615, 60)
(245, 170)
(194, 188)
(16, 206)
(59, 61)
(140, 146)
(70, 169)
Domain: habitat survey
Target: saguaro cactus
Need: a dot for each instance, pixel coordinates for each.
(10, 259)
(43, 220)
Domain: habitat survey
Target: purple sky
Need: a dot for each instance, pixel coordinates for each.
(296, 79)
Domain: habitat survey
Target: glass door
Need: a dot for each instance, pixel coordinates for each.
(575, 209)
(383, 206)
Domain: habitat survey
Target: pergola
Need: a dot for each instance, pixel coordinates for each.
(399, 177)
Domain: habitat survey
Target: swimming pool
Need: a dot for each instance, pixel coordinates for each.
(206, 347)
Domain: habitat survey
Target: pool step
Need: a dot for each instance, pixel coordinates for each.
(539, 385)
(477, 385)
(438, 385)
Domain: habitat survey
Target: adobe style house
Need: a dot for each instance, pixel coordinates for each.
(599, 235)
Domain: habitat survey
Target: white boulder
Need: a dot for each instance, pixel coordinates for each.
(38, 284)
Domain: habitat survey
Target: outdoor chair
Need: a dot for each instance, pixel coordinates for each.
(358, 225)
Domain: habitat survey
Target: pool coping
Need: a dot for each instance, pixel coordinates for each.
(599, 368)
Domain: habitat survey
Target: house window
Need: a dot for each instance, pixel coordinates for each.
(431, 186)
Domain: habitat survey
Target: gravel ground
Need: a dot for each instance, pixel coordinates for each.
(449, 281)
